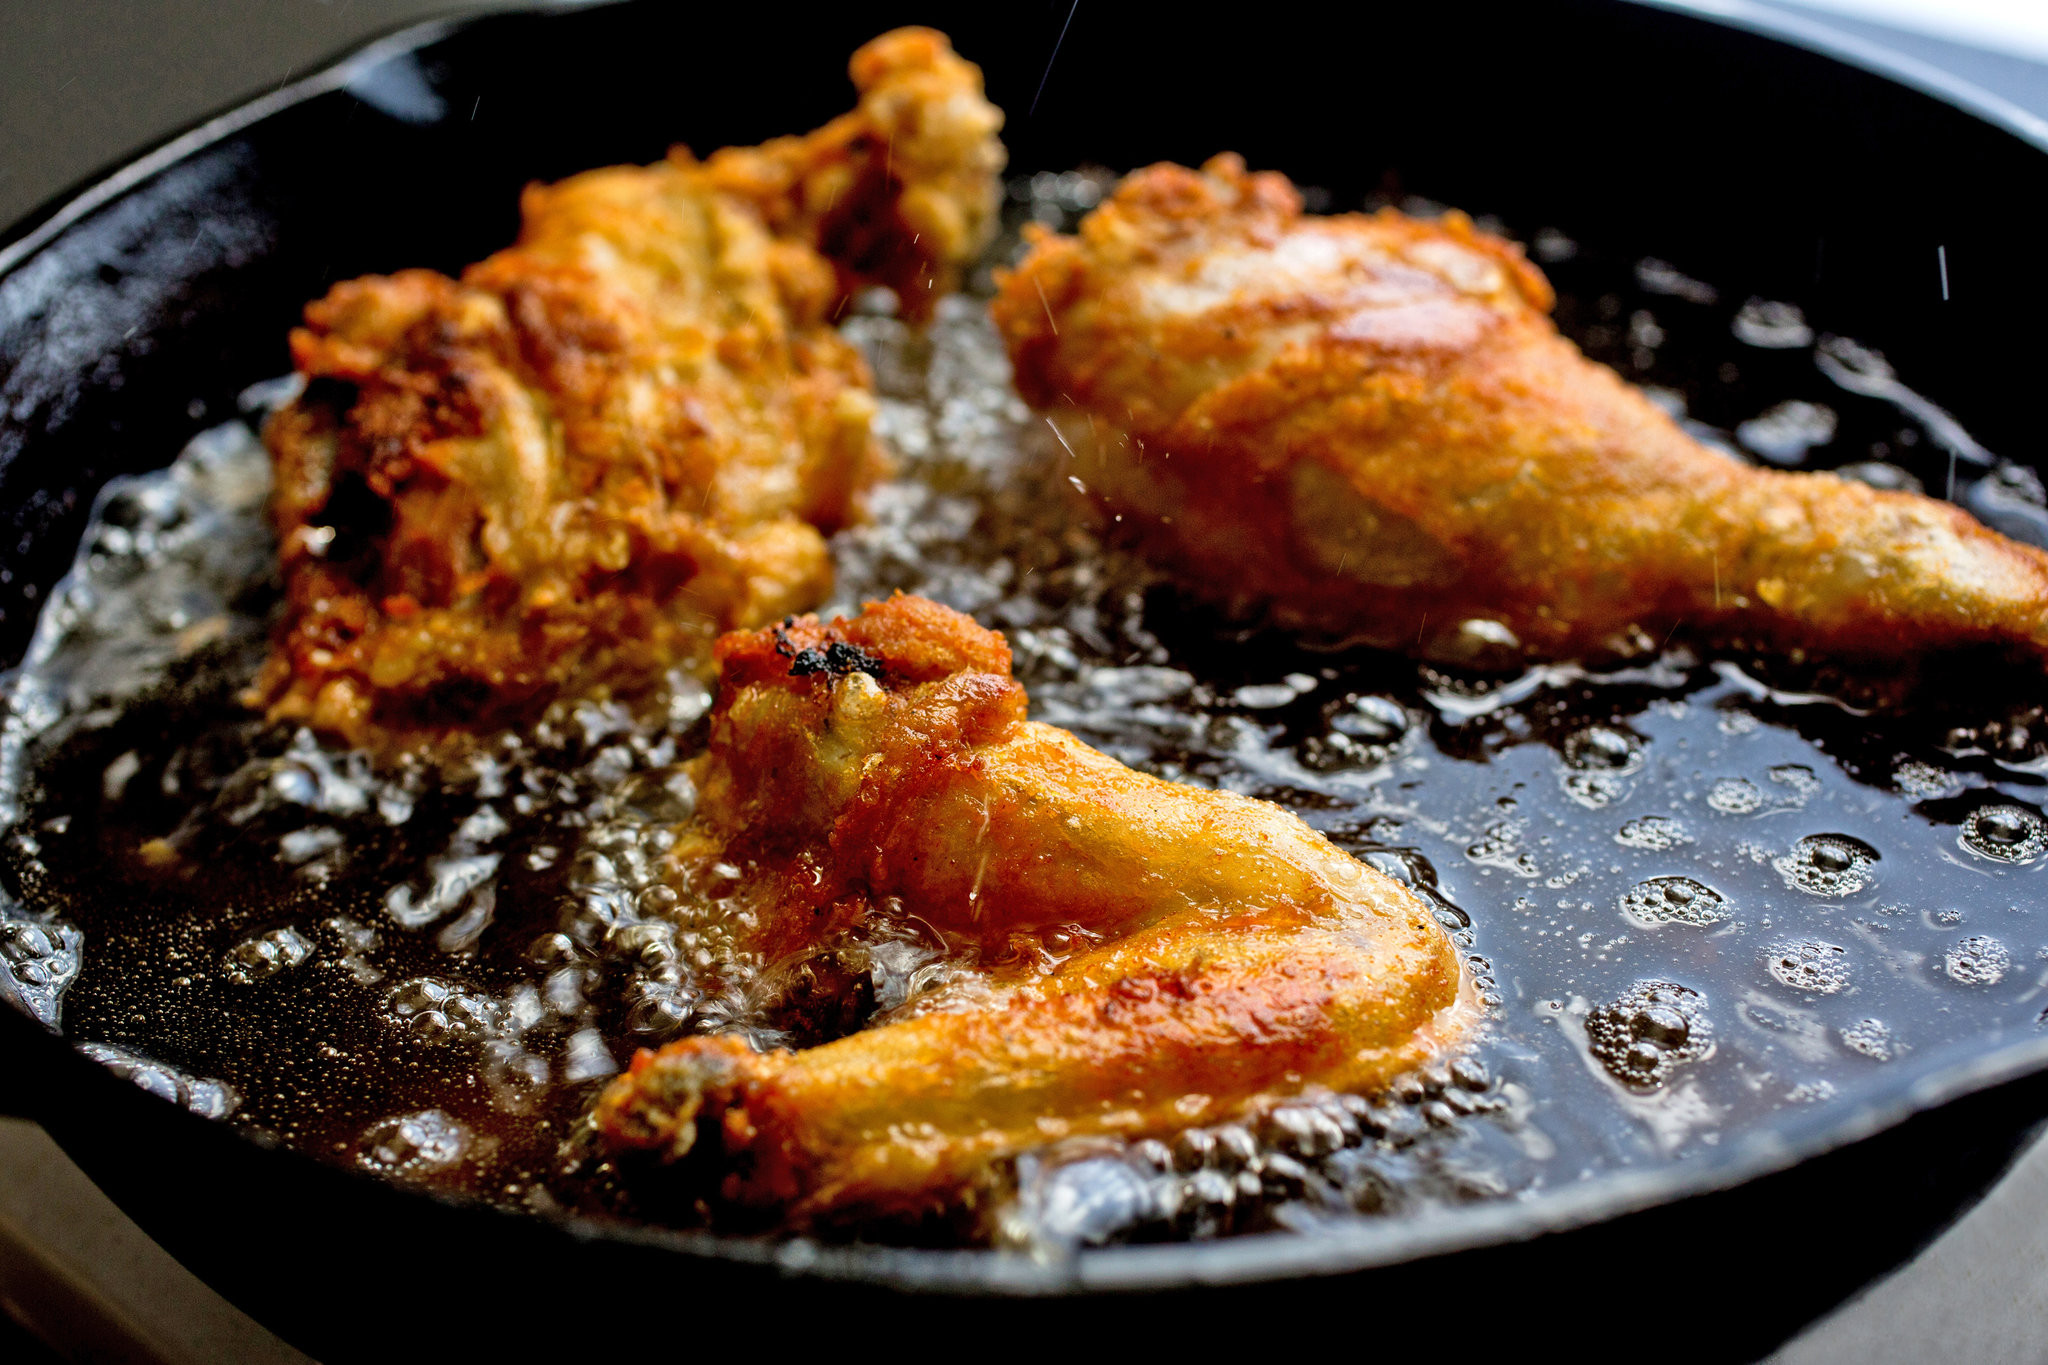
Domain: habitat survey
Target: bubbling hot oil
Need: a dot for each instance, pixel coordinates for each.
(1702, 910)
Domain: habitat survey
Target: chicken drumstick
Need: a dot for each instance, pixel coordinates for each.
(1369, 426)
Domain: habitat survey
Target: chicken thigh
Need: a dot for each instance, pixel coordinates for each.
(569, 470)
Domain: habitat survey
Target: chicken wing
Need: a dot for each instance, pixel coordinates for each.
(630, 431)
(1148, 956)
(1369, 427)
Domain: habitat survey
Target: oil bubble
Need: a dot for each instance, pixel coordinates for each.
(1662, 277)
(1597, 760)
(304, 845)
(648, 946)
(1828, 865)
(1235, 1147)
(1674, 900)
(1923, 781)
(1552, 246)
(38, 961)
(550, 950)
(1499, 845)
(1879, 474)
(1655, 833)
(1979, 960)
(657, 900)
(1871, 1037)
(1469, 1073)
(586, 1057)
(417, 995)
(414, 1144)
(1772, 326)
(1374, 719)
(1304, 1132)
(1809, 965)
(203, 1096)
(2005, 834)
(1358, 729)
(1405, 865)
(650, 798)
(516, 1078)
(27, 946)
(1800, 779)
(1077, 1203)
(1263, 696)
(660, 1014)
(266, 955)
(1602, 747)
(1194, 1150)
(437, 1012)
(1649, 1031)
(1735, 796)
(1785, 432)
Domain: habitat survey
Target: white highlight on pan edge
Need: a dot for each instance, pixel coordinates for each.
(2018, 27)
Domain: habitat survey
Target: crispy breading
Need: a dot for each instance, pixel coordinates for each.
(1150, 956)
(904, 191)
(1368, 426)
(630, 431)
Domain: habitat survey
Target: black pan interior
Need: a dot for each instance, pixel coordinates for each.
(1765, 168)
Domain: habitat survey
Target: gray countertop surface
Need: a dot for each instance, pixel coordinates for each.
(83, 83)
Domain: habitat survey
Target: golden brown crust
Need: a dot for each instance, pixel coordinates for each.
(902, 192)
(628, 432)
(1216, 952)
(1369, 426)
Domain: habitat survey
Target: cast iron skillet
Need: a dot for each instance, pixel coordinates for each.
(131, 315)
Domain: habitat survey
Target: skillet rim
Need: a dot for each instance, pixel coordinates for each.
(1328, 1251)
(1901, 68)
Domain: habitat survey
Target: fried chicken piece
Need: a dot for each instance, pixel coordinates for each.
(1217, 952)
(573, 468)
(1370, 427)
